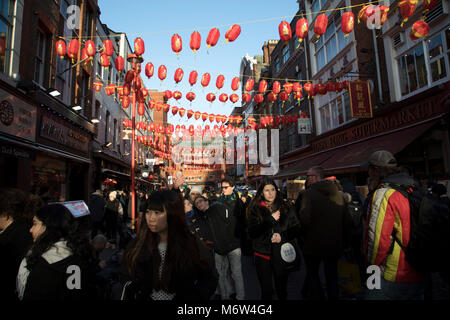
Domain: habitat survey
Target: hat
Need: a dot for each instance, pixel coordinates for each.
(381, 158)
(196, 190)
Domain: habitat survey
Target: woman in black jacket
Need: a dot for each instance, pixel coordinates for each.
(271, 222)
(166, 261)
(56, 266)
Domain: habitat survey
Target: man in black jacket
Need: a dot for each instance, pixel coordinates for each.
(97, 209)
(222, 234)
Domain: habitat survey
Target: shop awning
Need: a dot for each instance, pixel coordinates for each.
(354, 155)
(304, 164)
(116, 173)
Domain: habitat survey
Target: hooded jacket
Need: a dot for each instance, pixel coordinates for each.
(389, 211)
(325, 220)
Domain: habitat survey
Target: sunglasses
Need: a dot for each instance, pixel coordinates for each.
(226, 187)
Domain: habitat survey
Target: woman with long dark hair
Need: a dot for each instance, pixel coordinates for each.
(271, 222)
(166, 261)
(55, 266)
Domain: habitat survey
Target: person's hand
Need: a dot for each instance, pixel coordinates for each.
(102, 264)
(276, 238)
(276, 215)
(178, 181)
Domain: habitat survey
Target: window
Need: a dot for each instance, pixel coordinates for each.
(88, 22)
(316, 6)
(61, 75)
(6, 8)
(115, 134)
(331, 43)
(40, 65)
(412, 70)
(108, 116)
(335, 113)
(63, 8)
(437, 57)
(285, 54)
(83, 99)
(277, 65)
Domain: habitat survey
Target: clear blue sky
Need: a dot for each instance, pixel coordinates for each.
(156, 21)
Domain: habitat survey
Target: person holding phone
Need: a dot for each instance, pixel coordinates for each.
(271, 222)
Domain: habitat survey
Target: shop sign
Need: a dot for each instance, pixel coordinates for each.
(15, 152)
(410, 114)
(17, 117)
(360, 102)
(304, 125)
(58, 132)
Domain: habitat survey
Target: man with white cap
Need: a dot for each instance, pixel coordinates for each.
(195, 192)
(388, 215)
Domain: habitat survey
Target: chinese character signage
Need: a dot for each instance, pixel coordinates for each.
(77, 208)
(360, 103)
(304, 125)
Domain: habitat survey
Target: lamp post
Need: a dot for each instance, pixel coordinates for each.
(135, 60)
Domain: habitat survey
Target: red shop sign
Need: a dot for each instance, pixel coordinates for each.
(360, 102)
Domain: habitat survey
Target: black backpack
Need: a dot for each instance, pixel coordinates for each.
(429, 245)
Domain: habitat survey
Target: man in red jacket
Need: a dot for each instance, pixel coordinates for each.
(389, 212)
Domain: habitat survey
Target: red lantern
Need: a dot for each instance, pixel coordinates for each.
(308, 87)
(189, 114)
(178, 75)
(219, 81)
(321, 25)
(177, 95)
(271, 97)
(108, 47)
(90, 48)
(407, 8)
(72, 49)
(330, 87)
(210, 97)
(162, 72)
(190, 96)
(205, 79)
(298, 95)
(125, 102)
(181, 112)
(166, 108)
(233, 33)
(284, 29)
(149, 70)
(193, 77)
(320, 88)
(129, 76)
(61, 48)
(262, 86)
(177, 44)
(211, 117)
(167, 94)
(297, 87)
(139, 47)
(301, 29)
(365, 13)
(127, 89)
(84, 57)
(258, 98)
(137, 84)
(174, 110)
(347, 23)
(276, 87)
(284, 96)
(195, 41)
(141, 109)
(249, 85)
(104, 60)
(429, 5)
(419, 30)
(213, 37)
(234, 98)
(98, 86)
(288, 87)
(384, 13)
(204, 117)
(235, 83)
(197, 115)
(223, 97)
(246, 97)
(119, 63)
(339, 86)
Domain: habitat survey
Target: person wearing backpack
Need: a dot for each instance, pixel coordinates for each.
(389, 219)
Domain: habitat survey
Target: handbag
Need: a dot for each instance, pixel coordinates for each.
(288, 255)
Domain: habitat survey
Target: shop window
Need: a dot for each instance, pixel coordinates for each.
(6, 15)
(437, 57)
(335, 113)
(412, 70)
(325, 120)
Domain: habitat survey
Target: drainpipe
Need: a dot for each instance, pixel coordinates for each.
(377, 61)
(308, 76)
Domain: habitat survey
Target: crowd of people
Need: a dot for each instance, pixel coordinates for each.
(189, 243)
